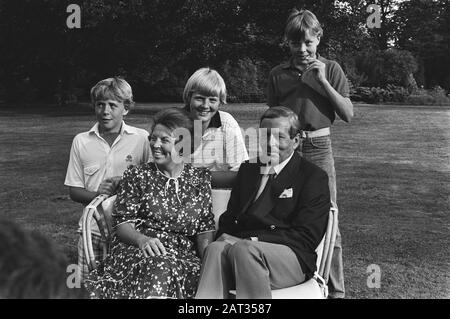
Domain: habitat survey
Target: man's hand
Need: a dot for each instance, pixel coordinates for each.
(228, 238)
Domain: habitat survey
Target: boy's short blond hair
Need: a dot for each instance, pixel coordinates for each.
(300, 22)
(114, 88)
(205, 81)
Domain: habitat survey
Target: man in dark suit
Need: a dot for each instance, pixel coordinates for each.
(275, 219)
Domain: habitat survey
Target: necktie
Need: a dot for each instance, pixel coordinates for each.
(266, 183)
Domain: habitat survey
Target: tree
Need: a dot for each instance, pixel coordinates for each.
(387, 67)
(30, 45)
(157, 44)
(422, 28)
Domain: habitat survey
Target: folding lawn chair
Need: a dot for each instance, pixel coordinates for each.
(316, 287)
(100, 210)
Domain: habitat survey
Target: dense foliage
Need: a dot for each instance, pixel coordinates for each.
(157, 44)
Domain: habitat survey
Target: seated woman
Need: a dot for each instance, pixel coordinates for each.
(220, 147)
(162, 214)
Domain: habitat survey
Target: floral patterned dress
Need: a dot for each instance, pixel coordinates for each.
(171, 209)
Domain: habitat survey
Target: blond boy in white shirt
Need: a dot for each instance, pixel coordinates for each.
(99, 156)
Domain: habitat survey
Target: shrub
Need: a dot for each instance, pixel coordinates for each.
(416, 99)
(391, 93)
(351, 71)
(22, 91)
(391, 66)
(438, 92)
(369, 94)
(168, 86)
(243, 81)
(362, 94)
(399, 94)
(396, 93)
(435, 96)
(68, 97)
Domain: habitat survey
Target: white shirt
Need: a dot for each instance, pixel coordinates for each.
(222, 145)
(267, 170)
(92, 159)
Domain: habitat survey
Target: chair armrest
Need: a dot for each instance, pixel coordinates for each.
(330, 239)
(102, 215)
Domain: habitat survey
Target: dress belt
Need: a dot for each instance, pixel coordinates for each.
(317, 133)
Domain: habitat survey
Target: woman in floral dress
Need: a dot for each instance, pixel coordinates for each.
(163, 221)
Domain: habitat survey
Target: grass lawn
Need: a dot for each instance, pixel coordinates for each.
(393, 176)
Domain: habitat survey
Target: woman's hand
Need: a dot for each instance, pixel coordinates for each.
(151, 246)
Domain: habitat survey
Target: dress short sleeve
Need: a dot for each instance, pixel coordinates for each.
(129, 196)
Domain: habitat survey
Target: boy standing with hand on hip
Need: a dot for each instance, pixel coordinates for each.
(99, 156)
(316, 89)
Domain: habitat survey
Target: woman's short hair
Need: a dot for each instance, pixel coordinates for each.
(282, 111)
(172, 118)
(175, 118)
(114, 88)
(300, 22)
(205, 81)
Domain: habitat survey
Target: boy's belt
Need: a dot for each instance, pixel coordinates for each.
(317, 133)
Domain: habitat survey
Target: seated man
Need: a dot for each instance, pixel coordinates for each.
(276, 218)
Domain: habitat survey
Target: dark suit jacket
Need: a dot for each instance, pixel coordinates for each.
(298, 222)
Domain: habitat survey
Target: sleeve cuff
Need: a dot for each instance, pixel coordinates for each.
(206, 231)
